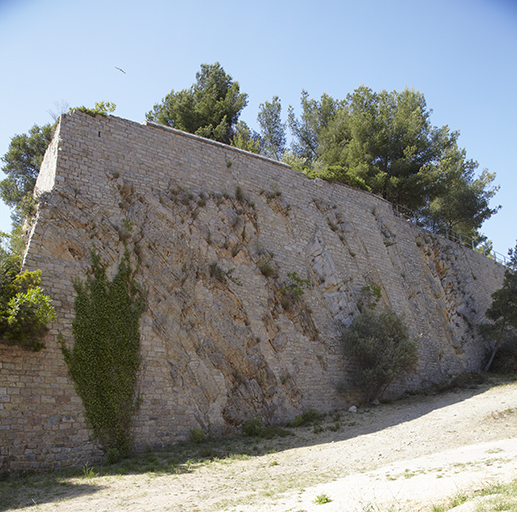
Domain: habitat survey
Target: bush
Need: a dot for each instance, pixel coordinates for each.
(309, 417)
(253, 427)
(266, 269)
(381, 351)
(25, 310)
(197, 435)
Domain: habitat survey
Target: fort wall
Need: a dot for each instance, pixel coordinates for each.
(219, 348)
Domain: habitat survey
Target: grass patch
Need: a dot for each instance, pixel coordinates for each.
(495, 497)
(322, 498)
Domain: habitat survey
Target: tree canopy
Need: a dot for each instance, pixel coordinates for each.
(385, 142)
(272, 129)
(382, 142)
(210, 108)
(22, 163)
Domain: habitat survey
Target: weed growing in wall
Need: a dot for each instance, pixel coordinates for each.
(369, 297)
(293, 289)
(104, 360)
(221, 275)
(266, 269)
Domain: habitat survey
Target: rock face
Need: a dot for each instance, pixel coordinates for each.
(218, 234)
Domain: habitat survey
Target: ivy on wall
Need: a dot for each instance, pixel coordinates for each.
(104, 360)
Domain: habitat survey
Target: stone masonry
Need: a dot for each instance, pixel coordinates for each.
(215, 231)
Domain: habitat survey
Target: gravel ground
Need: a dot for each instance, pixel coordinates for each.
(407, 455)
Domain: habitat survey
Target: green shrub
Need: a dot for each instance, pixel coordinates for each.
(239, 194)
(217, 272)
(197, 435)
(381, 350)
(25, 311)
(293, 289)
(112, 456)
(253, 427)
(323, 498)
(104, 360)
(102, 108)
(266, 269)
(311, 416)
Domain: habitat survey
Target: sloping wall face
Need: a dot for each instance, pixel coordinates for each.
(216, 231)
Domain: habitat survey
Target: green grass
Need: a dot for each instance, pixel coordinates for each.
(29, 488)
(322, 498)
(496, 497)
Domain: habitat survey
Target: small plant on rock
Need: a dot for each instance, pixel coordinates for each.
(293, 289)
(266, 269)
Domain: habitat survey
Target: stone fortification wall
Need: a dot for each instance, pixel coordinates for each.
(219, 342)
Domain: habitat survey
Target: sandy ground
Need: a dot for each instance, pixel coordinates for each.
(407, 455)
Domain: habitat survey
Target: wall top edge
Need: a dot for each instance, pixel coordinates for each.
(181, 133)
(152, 124)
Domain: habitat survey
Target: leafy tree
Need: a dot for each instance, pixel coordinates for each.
(387, 139)
(385, 142)
(210, 108)
(22, 163)
(461, 201)
(503, 310)
(23, 160)
(272, 130)
(104, 359)
(381, 350)
(309, 128)
(245, 138)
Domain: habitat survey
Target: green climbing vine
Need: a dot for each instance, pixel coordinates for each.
(104, 360)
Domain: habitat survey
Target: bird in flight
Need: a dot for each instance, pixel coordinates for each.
(120, 70)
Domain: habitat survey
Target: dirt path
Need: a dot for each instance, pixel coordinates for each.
(401, 456)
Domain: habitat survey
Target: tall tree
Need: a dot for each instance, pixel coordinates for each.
(22, 163)
(385, 142)
(462, 201)
(503, 310)
(308, 129)
(210, 108)
(393, 143)
(272, 129)
(245, 138)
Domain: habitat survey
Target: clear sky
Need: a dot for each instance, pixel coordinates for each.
(462, 54)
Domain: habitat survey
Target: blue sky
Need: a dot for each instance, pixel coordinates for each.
(462, 54)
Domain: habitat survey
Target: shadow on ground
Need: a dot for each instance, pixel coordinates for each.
(21, 491)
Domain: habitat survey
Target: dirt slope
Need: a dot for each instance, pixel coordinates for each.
(402, 456)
